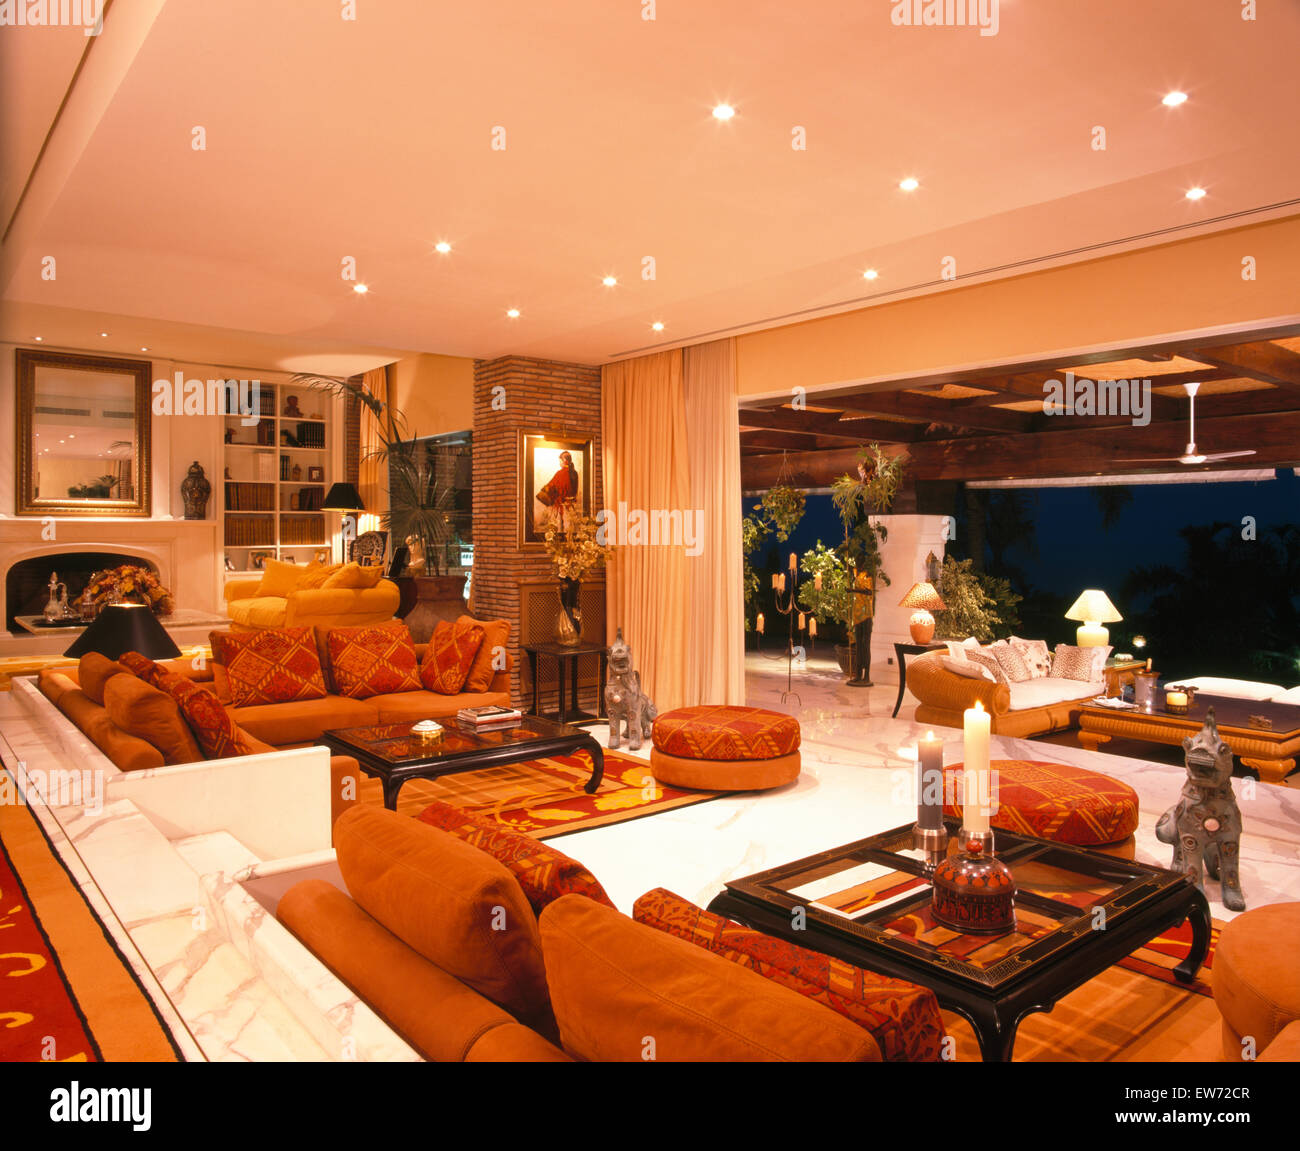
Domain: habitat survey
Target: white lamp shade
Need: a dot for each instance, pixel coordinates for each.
(1093, 606)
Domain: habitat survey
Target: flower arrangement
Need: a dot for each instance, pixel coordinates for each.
(127, 583)
(573, 543)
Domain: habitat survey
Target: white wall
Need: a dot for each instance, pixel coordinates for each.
(911, 538)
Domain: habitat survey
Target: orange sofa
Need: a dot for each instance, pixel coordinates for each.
(310, 607)
(470, 959)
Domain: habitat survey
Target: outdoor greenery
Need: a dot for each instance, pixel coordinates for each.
(784, 507)
(830, 602)
(856, 500)
(753, 531)
(976, 604)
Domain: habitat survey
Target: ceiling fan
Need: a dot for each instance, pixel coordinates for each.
(1190, 455)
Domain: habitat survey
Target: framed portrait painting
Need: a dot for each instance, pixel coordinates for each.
(553, 473)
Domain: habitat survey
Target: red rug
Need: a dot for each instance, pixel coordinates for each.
(1158, 958)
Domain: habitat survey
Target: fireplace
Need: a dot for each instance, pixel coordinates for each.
(27, 581)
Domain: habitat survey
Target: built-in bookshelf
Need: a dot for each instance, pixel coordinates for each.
(277, 472)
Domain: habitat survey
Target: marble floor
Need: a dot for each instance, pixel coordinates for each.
(856, 782)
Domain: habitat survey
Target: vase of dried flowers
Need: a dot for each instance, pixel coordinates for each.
(574, 543)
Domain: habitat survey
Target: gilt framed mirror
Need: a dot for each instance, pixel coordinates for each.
(82, 435)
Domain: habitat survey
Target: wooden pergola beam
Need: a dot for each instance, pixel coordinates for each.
(1260, 361)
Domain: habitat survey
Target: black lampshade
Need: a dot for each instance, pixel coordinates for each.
(123, 627)
(343, 498)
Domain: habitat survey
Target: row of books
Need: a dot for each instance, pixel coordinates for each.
(489, 717)
(250, 531)
(301, 529)
(311, 435)
(250, 497)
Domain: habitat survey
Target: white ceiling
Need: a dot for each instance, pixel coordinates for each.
(329, 138)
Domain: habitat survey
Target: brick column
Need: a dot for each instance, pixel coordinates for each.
(541, 396)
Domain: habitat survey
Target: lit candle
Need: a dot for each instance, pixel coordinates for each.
(976, 724)
(1176, 698)
(801, 623)
(780, 583)
(774, 582)
(812, 626)
(760, 623)
(817, 581)
(794, 562)
(929, 782)
(1148, 665)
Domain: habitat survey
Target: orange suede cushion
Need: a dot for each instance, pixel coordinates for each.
(127, 751)
(459, 908)
(353, 575)
(280, 578)
(616, 986)
(95, 670)
(496, 637)
(271, 665)
(1255, 976)
(373, 660)
(140, 709)
(434, 1012)
(316, 575)
(450, 655)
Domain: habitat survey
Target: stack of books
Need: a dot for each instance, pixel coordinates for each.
(489, 718)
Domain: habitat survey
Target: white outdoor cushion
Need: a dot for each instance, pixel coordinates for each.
(1047, 689)
(1236, 688)
(967, 667)
(1290, 696)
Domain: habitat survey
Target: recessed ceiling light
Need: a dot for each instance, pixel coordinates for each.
(658, 325)
(144, 349)
(1173, 99)
(723, 112)
(71, 436)
(360, 289)
(870, 274)
(513, 313)
(910, 184)
(103, 335)
(1196, 193)
(610, 281)
(442, 246)
(38, 339)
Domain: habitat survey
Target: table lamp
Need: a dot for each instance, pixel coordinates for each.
(1094, 609)
(924, 599)
(344, 498)
(123, 627)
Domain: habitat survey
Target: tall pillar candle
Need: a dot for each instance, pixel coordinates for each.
(929, 799)
(976, 725)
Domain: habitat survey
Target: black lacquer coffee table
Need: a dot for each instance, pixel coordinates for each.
(392, 753)
(1078, 912)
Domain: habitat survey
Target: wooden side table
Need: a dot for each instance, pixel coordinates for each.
(1119, 674)
(901, 652)
(562, 653)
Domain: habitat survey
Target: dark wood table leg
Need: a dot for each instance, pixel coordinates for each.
(391, 788)
(902, 680)
(604, 673)
(996, 1035)
(573, 684)
(597, 765)
(532, 666)
(1198, 915)
(561, 702)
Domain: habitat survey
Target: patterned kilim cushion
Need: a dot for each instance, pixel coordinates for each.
(271, 665)
(903, 1018)
(544, 873)
(140, 666)
(726, 733)
(373, 660)
(1054, 801)
(450, 655)
(218, 734)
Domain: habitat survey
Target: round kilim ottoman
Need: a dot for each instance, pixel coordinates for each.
(1256, 978)
(1058, 802)
(725, 748)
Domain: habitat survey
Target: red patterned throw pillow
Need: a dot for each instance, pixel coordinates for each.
(544, 873)
(271, 665)
(141, 666)
(903, 1018)
(217, 733)
(450, 655)
(377, 659)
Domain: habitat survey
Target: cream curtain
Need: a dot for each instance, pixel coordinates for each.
(672, 449)
(716, 664)
(372, 478)
(645, 467)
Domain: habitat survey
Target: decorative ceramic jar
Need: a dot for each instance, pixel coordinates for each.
(974, 892)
